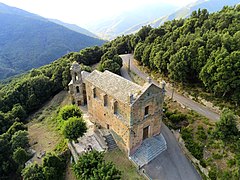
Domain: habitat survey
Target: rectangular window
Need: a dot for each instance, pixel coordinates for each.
(146, 111)
(94, 93)
(105, 100)
(115, 107)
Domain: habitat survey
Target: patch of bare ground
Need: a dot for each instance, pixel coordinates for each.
(42, 127)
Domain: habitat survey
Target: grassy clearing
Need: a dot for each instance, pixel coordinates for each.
(122, 163)
(43, 129)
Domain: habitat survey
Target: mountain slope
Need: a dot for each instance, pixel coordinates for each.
(117, 25)
(28, 41)
(74, 27)
(210, 5)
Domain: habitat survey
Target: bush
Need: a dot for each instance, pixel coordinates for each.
(91, 165)
(201, 135)
(69, 111)
(195, 148)
(176, 118)
(74, 128)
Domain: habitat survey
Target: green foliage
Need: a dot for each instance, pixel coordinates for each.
(69, 111)
(85, 68)
(203, 49)
(87, 56)
(91, 165)
(111, 61)
(196, 148)
(226, 128)
(29, 41)
(74, 128)
(22, 95)
(33, 172)
(17, 126)
(19, 139)
(178, 117)
(201, 134)
(52, 168)
(18, 112)
(20, 156)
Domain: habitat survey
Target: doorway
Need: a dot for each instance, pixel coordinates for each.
(145, 132)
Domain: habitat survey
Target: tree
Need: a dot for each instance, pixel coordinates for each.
(179, 65)
(19, 139)
(53, 167)
(17, 126)
(74, 128)
(33, 172)
(20, 156)
(69, 111)
(111, 61)
(91, 165)
(138, 52)
(226, 128)
(18, 111)
(110, 65)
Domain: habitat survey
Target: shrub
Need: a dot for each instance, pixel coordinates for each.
(69, 111)
(74, 128)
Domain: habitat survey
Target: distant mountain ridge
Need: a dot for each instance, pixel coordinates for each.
(29, 41)
(210, 5)
(117, 25)
(74, 27)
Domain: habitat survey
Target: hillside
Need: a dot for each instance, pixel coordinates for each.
(74, 28)
(112, 27)
(210, 5)
(28, 41)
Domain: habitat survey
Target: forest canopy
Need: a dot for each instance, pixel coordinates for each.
(203, 49)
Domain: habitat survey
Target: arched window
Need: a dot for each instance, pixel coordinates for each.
(76, 76)
(77, 89)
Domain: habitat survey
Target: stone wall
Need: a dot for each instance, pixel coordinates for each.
(104, 114)
(153, 98)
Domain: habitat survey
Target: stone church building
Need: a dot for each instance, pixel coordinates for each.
(131, 112)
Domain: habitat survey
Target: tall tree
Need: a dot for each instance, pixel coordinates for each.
(91, 165)
(74, 128)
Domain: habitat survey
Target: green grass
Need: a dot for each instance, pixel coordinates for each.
(121, 161)
(136, 78)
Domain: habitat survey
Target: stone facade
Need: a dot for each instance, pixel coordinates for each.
(132, 112)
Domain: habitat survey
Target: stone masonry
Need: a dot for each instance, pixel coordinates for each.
(131, 112)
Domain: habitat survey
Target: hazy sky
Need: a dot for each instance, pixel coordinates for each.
(81, 12)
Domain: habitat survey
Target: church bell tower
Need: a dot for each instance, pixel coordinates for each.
(76, 86)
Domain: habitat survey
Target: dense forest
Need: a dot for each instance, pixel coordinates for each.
(26, 93)
(203, 49)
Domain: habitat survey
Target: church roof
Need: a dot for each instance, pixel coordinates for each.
(114, 85)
